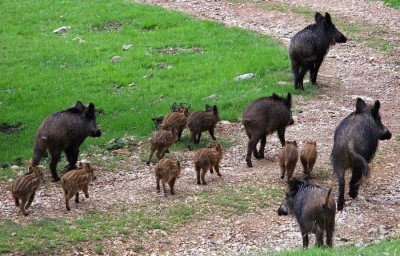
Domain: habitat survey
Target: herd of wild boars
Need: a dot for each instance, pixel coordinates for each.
(355, 143)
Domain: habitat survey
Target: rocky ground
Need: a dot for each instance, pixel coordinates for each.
(367, 66)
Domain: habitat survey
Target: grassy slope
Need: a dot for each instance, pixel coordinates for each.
(43, 72)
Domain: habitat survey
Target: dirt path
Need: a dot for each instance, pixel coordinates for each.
(354, 69)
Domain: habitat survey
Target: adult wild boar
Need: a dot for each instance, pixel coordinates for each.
(355, 143)
(309, 46)
(314, 209)
(65, 131)
(263, 117)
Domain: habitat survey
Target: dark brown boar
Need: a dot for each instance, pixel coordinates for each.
(201, 121)
(309, 46)
(207, 159)
(25, 186)
(65, 131)
(77, 180)
(177, 119)
(263, 117)
(167, 170)
(288, 159)
(161, 141)
(308, 156)
(314, 208)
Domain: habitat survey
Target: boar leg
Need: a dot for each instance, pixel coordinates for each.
(31, 197)
(211, 131)
(163, 187)
(295, 71)
(314, 68)
(171, 185)
(304, 163)
(16, 200)
(72, 154)
(86, 190)
(304, 235)
(67, 198)
(251, 148)
(319, 237)
(262, 146)
(22, 206)
(158, 184)
(355, 182)
(192, 140)
(77, 197)
(281, 135)
(340, 176)
(203, 176)
(55, 158)
(150, 156)
(217, 170)
(303, 71)
(197, 140)
(330, 227)
(198, 175)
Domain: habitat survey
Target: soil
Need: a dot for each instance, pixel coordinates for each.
(367, 66)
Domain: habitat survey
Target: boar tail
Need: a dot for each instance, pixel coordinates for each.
(360, 165)
(325, 205)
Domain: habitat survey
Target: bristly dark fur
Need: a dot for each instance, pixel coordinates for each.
(314, 209)
(65, 131)
(263, 117)
(355, 143)
(309, 46)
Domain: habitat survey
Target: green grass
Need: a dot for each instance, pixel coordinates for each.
(384, 248)
(174, 58)
(393, 3)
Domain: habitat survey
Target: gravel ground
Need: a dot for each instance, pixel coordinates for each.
(355, 69)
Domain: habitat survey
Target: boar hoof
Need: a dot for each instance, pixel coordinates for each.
(198, 183)
(68, 209)
(249, 164)
(55, 179)
(204, 183)
(26, 213)
(282, 177)
(148, 162)
(353, 194)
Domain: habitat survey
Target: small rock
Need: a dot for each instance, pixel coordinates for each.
(126, 47)
(212, 96)
(62, 29)
(116, 58)
(244, 76)
(14, 167)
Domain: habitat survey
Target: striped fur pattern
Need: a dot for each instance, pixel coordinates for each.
(308, 156)
(207, 159)
(77, 180)
(288, 159)
(201, 121)
(167, 171)
(161, 141)
(176, 119)
(25, 186)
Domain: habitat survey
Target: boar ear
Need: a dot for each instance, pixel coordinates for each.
(87, 166)
(215, 109)
(90, 111)
(79, 106)
(360, 105)
(318, 17)
(295, 143)
(375, 110)
(328, 18)
(178, 163)
(289, 100)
